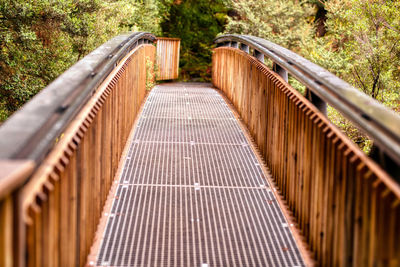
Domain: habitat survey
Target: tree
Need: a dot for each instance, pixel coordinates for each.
(41, 39)
(368, 47)
(364, 52)
(197, 23)
(283, 22)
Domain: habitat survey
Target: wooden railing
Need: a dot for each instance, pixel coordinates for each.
(346, 205)
(53, 193)
(167, 62)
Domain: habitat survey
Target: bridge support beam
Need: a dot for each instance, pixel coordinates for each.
(316, 100)
(385, 161)
(235, 44)
(280, 71)
(244, 48)
(258, 55)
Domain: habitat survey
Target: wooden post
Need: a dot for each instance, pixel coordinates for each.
(280, 71)
(258, 55)
(244, 48)
(317, 101)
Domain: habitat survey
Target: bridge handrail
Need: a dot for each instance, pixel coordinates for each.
(29, 134)
(60, 153)
(62, 99)
(377, 121)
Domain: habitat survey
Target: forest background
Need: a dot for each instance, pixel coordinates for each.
(358, 40)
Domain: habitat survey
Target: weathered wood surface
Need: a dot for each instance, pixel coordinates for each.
(167, 58)
(63, 200)
(347, 207)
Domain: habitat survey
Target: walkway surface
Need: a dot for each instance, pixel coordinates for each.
(192, 192)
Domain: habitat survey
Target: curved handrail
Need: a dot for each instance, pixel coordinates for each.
(44, 117)
(30, 133)
(378, 122)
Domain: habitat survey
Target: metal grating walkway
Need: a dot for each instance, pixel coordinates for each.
(192, 192)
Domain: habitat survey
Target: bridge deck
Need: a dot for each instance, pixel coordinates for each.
(192, 192)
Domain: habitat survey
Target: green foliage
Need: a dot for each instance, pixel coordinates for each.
(150, 74)
(358, 137)
(364, 51)
(197, 23)
(285, 22)
(41, 39)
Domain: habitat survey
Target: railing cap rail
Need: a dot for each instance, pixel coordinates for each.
(377, 121)
(43, 118)
(168, 38)
(30, 133)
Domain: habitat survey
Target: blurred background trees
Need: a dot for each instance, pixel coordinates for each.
(197, 23)
(358, 40)
(282, 22)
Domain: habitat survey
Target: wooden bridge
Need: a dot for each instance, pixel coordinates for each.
(102, 168)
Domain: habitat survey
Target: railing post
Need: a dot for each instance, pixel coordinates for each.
(244, 48)
(316, 100)
(387, 163)
(235, 44)
(258, 55)
(280, 71)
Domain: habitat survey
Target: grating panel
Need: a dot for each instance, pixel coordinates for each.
(190, 104)
(190, 226)
(190, 164)
(192, 192)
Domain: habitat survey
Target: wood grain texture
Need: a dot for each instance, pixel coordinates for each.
(347, 207)
(167, 58)
(6, 230)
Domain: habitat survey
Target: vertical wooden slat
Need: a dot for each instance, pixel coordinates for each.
(6, 230)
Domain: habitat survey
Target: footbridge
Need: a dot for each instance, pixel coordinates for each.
(108, 167)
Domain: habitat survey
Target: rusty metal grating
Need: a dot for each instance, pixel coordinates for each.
(192, 192)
